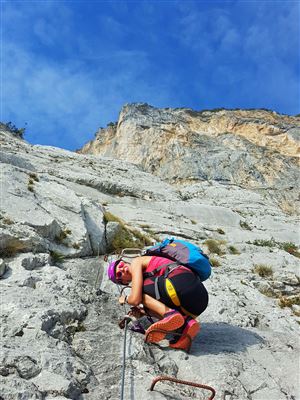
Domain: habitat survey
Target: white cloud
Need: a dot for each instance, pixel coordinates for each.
(68, 101)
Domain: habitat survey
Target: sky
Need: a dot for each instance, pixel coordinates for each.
(68, 67)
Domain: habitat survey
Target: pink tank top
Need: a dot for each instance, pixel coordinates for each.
(156, 262)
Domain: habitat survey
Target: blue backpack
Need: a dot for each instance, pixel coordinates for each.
(183, 253)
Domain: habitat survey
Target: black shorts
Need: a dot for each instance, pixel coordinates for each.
(190, 290)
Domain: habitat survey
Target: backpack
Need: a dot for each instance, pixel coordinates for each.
(183, 253)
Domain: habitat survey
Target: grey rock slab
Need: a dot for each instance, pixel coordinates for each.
(94, 223)
(13, 388)
(35, 261)
(59, 323)
(48, 381)
(3, 267)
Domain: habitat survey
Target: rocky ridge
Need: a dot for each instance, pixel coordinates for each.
(62, 211)
(255, 149)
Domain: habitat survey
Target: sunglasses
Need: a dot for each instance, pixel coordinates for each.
(119, 273)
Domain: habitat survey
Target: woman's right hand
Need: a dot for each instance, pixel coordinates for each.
(136, 312)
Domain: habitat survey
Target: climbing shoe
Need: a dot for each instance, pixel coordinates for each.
(172, 320)
(137, 327)
(191, 327)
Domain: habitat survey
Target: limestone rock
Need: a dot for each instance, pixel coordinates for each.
(2, 267)
(35, 261)
(250, 148)
(59, 312)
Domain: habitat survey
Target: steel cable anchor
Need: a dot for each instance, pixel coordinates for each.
(175, 380)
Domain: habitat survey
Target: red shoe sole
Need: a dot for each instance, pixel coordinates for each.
(168, 324)
(184, 342)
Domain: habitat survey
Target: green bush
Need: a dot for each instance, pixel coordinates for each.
(263, 270)
(7, 221)
(244, 225)
(265, 243)
(233, 250)
(10, 127)
(57, 258)
(32, 179)
(109, 217)
(146, 240)
(111, 124)
(290, 248)
(126, 237)
(145, 226)
(13, 247)
(289, 301)
(34, 176)
(214, 246)
(214, 262)
(268, 292)
(62, 236)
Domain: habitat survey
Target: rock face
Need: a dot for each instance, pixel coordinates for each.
(254, 149)
(60, 212)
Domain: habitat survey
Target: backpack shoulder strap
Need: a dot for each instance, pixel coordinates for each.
(154, 272)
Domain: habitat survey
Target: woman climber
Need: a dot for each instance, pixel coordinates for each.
(170, 292)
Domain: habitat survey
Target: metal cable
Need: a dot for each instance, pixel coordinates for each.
(124, 361)
(171, 379)
(126, 321)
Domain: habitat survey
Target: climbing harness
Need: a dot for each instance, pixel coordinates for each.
(171, 379)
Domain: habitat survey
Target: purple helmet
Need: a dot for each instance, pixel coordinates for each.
(111, 271)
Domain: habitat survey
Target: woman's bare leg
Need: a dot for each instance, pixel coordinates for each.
(158, 331)
(157, 308)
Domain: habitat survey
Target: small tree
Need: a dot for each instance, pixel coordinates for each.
(10, 127)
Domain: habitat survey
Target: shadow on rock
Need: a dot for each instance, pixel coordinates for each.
(7, 274)
(220, 337)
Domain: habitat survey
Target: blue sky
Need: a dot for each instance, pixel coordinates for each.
(69, 66)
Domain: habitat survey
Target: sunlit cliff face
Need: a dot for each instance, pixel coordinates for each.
(255, 149)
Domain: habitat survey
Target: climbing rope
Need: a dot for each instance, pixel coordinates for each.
(171, 379)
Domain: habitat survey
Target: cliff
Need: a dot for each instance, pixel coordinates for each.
(254, 149)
